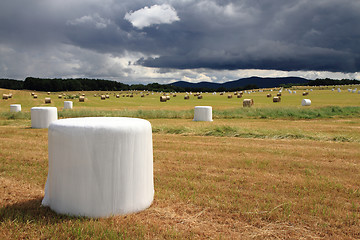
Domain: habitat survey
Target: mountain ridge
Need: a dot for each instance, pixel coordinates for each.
(243, 82)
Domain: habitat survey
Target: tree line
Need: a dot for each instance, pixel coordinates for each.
(85, 84)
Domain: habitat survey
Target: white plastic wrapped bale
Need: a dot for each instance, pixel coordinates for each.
(15, 108)
(99, 166)
(306, 102)
(68, 104)
(41, 117)
(203, 113)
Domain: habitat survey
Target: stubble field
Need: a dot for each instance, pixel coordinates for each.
(277, 170)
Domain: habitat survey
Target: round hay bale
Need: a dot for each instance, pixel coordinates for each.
(248, 102)
(102, 97)
(48, 93)
(41, 117)
(59, 96)
(277, 99)
(306, 102)
(239, 96)
(68, 104)
(203, 113)
(230, 96)
(47, 100)
(268, 95)
(117, 96)
(305, 93)
(221, 93)
(81, 99)
(278, 94)
(163, 98)
(5, 96)
(15, 108)
(107, 96)
(167, 97)
(32, 94)
(186, 97)
(131, 95)
(35, 96)
(142, 95)
(174, 95)
(200, 97)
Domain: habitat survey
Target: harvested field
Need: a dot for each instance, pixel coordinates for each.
(205, 186)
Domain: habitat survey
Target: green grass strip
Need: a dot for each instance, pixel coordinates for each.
(255, 113)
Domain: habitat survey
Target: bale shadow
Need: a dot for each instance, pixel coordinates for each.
(33, 211)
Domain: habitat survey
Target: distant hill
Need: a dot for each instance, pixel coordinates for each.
(241, 83)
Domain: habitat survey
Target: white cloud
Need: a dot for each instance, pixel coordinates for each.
(92, 20)
(156, 14)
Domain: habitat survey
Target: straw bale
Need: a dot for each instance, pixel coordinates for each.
(278, 94)
(199, 97)
(103, 97)
(277, 99)
(35, 96)
(81, 99)
(186, 97)
(268, 95)
(167, 97)
(59, 96)
(229, 96)
(47, 100)
(239, 96)
(305, 93)
(248, 102)
(5, 96)
(163, 98)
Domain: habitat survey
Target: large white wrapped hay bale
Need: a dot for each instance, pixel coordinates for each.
(68, 104)
(203, 113)
(15, 108)
(99, 166)
(41, 117)
(339, 90)
(306, 102)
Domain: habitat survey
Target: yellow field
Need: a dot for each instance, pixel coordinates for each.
(226, 179)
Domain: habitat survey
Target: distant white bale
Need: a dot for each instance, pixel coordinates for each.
(294, 92)
(358, 92)
(306, 102)
(349, 90)
(354, 91)
(203, 113)
(339, 90)
(15, 108)
(311, 90)
(68, 104)
(41, 117)
(290, 91)
(332, 89)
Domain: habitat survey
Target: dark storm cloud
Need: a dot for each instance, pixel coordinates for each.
(288, 35)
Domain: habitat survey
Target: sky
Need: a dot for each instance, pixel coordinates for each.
(145, 41)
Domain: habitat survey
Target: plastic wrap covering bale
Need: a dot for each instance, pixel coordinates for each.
(306, 102)
(203, 113)
(68, 104)
(15, 108)
(41, 117)
(99, 166)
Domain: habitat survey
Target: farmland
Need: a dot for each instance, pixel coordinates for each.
(275, 170)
